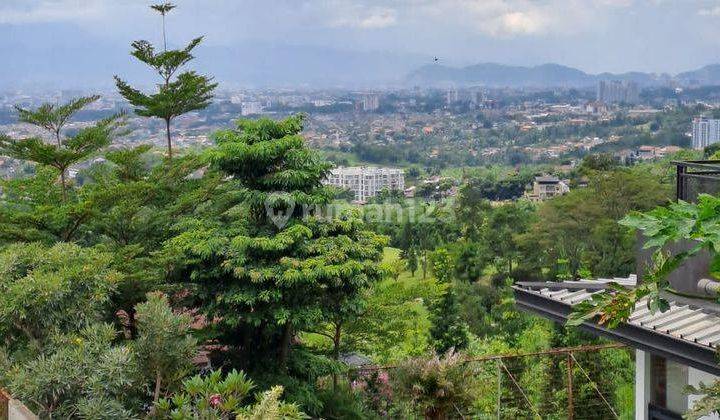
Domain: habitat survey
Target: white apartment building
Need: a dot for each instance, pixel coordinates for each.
(251, 108)
(370, 102)
(366, 181)
(705, 132)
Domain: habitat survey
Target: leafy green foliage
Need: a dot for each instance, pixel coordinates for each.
(661, 226)
(52, 117)
(81, 374)
(50, 290)
(163, 346)
(708, 403)
(262, 281)
(66, 152)
(582, 227)
(215, 397)
(448, 330)
(163, 8)
(87, 373)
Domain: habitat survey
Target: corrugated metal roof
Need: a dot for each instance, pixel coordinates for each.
(682, 321)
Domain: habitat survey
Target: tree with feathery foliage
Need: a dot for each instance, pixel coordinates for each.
(176, 95)
(267, 272)
(68, 151)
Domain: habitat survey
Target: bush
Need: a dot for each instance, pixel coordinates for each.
(214, 397)
(436, 387)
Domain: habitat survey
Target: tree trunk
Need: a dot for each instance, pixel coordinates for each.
(169, 140)
(63, 184)
(164, 36)
(285, 344)
(158, 382)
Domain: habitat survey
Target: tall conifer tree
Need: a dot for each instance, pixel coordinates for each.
(267, 272)
(178, 94)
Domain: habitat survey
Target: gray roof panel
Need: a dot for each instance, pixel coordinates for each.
(682, 321)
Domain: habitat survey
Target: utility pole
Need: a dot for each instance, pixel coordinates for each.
(571, 407)
(499, 387)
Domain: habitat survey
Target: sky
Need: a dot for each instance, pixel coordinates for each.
(592, 35)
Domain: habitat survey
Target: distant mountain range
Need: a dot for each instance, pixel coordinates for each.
(549, 75)
(73, 58)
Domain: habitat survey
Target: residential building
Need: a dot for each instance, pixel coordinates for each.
(673, 349)
(366, 181)
(370, 102)
(705, 131)
(452, 96)
(596, 107)
(616, 91)
(545, 187)
(251, 108)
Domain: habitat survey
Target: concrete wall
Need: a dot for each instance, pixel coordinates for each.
(12, 409)
(642, 385)
(17, 411)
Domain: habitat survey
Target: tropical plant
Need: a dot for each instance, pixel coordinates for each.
(51, 290)
(695, 222)
(89, 372)
(214, 397)
(269, 270)
(80, 374)
(437, 388)
(163, 345)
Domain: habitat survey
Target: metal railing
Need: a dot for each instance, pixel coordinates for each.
(696, 177)
(570, 383)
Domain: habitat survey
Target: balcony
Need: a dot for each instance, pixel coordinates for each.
(697, 177)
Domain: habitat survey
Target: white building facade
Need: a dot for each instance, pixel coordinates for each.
(366, 182)
(705, 131)
(370, 102)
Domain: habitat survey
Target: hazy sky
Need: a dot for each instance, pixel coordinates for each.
(593, 35)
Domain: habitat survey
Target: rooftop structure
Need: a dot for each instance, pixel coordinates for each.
(674, 349)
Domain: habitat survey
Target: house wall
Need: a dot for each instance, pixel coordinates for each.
(643, 383)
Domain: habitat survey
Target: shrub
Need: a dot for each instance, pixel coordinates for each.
(436, 387)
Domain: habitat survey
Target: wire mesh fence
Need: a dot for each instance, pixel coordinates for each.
(567, 383)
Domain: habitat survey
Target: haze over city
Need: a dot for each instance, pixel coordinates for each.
(253, 43)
